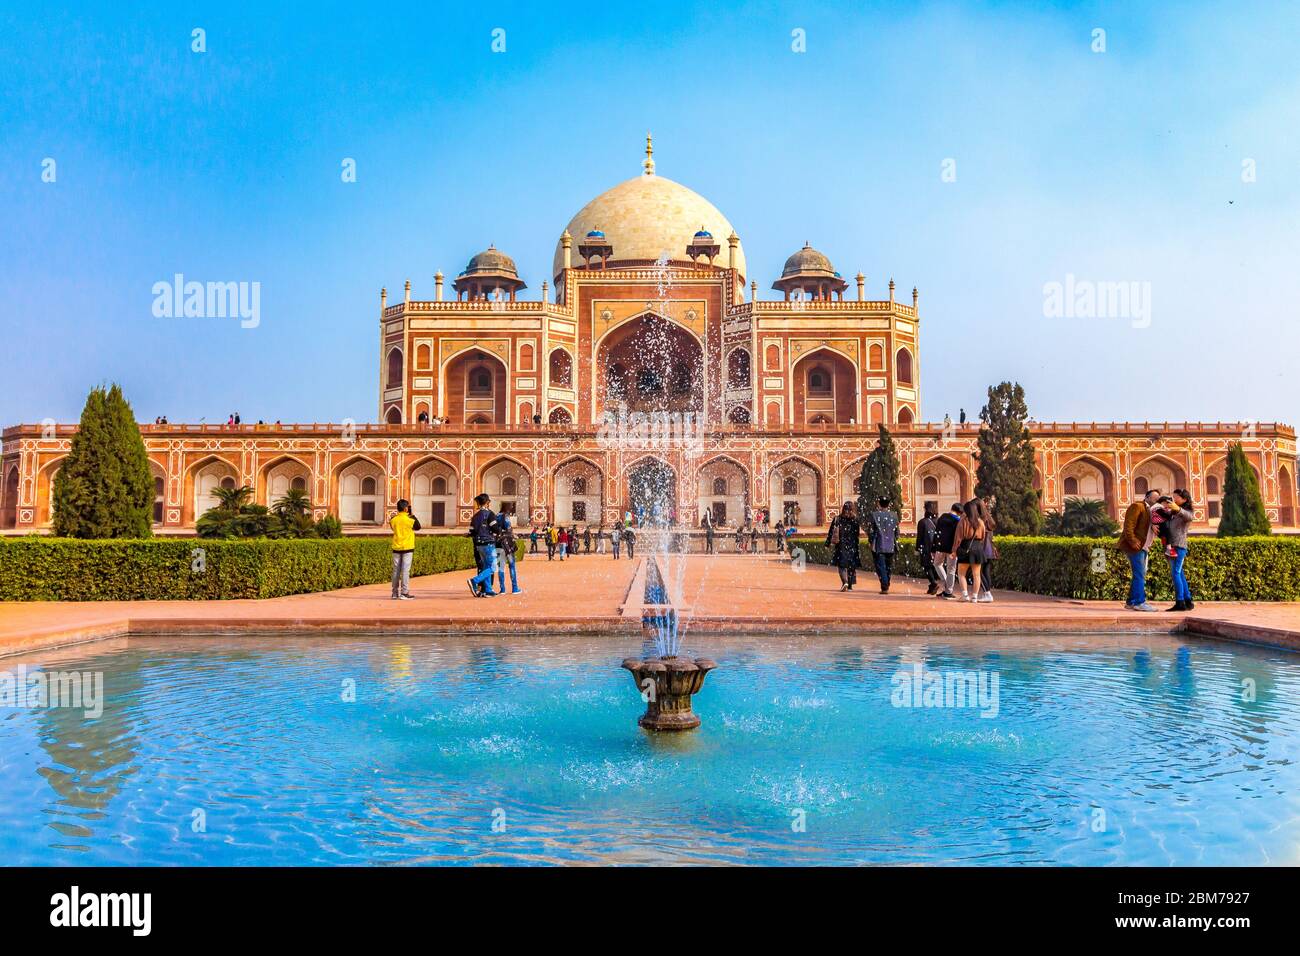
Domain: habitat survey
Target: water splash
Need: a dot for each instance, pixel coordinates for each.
(659, 620)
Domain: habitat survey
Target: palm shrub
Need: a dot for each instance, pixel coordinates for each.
(234, 516)
(1081, 518)
(291, 517)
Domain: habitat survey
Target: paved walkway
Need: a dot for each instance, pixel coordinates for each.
(737, 592)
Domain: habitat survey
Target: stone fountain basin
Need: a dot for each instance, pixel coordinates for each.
(674, 680)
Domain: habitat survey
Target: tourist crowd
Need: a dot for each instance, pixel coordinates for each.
(955, 548)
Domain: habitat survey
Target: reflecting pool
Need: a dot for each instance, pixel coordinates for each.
(524, 749)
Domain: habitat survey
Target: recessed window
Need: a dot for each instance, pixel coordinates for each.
(480, 381)
(904, 367)
(738, 369)
(561, 369)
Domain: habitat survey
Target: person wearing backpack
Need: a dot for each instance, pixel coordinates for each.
(505, 544)
(483, 529)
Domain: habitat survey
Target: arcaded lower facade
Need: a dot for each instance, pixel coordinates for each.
(647, 367)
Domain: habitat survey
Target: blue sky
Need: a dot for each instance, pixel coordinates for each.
(1124, 165)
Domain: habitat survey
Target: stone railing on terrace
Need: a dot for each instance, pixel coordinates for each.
(452, 305)
(916, 429)
(650, 269)
(814, 306)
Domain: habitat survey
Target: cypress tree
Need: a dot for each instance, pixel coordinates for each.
(1243, 508)
(1005, 459)
(879, 478)
(104, 488)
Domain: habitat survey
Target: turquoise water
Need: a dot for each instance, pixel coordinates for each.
(525, 750)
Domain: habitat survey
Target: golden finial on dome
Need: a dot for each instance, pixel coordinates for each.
(649, 164)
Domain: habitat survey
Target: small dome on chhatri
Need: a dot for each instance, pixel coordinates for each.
(703, 234)
(595, 234)
(491, 260)
(806, 260)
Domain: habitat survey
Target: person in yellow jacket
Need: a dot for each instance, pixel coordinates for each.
(404, 525)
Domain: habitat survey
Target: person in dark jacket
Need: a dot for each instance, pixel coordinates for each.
(944, 563)
(483, 529)
(629, 539)
(927, 535)
(843, 540)
(882, 530)
(505, 544)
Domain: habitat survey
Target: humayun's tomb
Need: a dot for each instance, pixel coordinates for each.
(542, 403)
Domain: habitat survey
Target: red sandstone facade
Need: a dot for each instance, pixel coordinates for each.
(542, 403)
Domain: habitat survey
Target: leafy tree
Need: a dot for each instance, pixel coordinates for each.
(1005, 459)
(879, 478)
(104, 488)
(1081, 518)
(1243, 509)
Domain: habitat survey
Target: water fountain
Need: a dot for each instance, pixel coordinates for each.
(667, 680)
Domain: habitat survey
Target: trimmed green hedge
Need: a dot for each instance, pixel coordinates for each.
(1218, 569)
(66, 569)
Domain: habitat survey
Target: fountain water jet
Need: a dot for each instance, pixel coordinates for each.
(667, 681)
